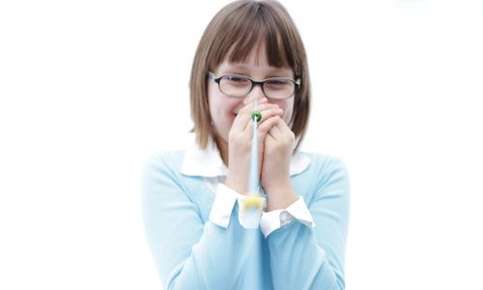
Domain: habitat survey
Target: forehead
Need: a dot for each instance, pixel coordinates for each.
(255, 62)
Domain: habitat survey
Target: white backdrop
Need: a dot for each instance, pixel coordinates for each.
(89, 89)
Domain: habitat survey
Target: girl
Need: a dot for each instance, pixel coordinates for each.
(250, 56)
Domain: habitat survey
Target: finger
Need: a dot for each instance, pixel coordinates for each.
(277, 129)
(266, 115)
(265, 127)
(266, 111)
(248, 109)
(281, 132)
(269, 137)
(242, 119)
(274, 132)
(283, 125)
(285, 128)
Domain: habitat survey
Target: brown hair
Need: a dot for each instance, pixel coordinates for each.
(241, 24)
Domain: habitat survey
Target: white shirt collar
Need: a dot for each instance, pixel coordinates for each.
(208, 162)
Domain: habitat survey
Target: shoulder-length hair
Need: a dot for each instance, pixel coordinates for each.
(242, 24)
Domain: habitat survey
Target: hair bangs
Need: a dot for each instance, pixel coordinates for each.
(248, 30)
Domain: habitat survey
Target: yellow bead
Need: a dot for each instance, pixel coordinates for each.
(253, 202)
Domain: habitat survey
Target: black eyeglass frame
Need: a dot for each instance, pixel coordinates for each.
(217, 80)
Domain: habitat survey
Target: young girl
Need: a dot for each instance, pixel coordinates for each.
(250, 57)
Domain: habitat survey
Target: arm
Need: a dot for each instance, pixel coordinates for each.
(188, 253)
(307, 258)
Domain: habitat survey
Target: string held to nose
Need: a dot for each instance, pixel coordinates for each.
(254, 203)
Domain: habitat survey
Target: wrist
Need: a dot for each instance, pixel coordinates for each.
(275, 203)
(236, 186)
(278, 187)
(280, 197)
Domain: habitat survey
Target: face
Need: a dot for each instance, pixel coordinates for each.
(223, 107)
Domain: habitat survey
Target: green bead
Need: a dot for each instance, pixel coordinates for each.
(256, 116)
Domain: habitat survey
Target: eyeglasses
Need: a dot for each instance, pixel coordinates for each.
(238, 86)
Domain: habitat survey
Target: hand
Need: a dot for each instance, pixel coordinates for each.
(279, 144)
(239, 143)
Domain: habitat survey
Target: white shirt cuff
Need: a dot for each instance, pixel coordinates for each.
(223, 204)
(225, 199)
(273, 220)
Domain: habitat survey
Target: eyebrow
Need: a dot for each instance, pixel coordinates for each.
(244, 66)
(270, 73)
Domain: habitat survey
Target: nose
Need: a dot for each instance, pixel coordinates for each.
(256, 94)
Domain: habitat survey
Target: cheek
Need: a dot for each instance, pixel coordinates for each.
(221, 108)
(288, 114)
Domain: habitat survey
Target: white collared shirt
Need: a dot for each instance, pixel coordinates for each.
(209, 165)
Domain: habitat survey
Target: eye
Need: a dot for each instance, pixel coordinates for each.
(235, 78)
(232, 80)
(278, 84)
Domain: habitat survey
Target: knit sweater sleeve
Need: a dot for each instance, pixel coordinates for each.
(185, 249)
(307, 258)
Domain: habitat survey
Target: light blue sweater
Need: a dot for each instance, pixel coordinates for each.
(192, 253)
